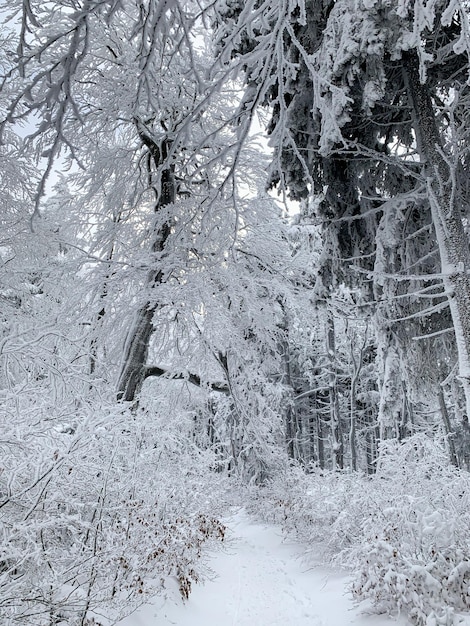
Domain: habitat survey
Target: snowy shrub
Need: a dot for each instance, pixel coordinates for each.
(414, 555)
(98, 514)
(313, 507)
(403, 533)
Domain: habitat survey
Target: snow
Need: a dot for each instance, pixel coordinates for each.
(260, 579)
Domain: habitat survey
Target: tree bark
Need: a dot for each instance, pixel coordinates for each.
(446, 216)
(133, 371)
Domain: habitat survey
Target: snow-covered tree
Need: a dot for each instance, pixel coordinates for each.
(368, 103)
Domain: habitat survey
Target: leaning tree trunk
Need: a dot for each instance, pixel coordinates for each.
(133, 371)
(446, 216)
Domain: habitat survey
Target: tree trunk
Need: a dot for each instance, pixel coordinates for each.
(372, 436)
(312, 419)
(137, 345)
(447, 427)
(352, 421)
(356, 364)
(445, 210)
(387, 264)
(289, 415)
(335, 417)
(94, 345)
(319, 434)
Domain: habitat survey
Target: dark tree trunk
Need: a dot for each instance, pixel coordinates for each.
(133, 371)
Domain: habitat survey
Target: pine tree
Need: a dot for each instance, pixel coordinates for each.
(368, 99)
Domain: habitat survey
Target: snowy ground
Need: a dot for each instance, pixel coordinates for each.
(260, 580)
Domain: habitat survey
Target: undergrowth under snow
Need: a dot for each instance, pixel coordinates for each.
(404, 532)
(260, 579)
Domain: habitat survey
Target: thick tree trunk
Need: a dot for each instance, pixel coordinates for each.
(133, 371)
(444, 200)
(135, 354)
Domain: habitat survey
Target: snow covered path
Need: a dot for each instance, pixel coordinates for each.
(260, 580)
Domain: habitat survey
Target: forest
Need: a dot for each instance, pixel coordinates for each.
(234, 263)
